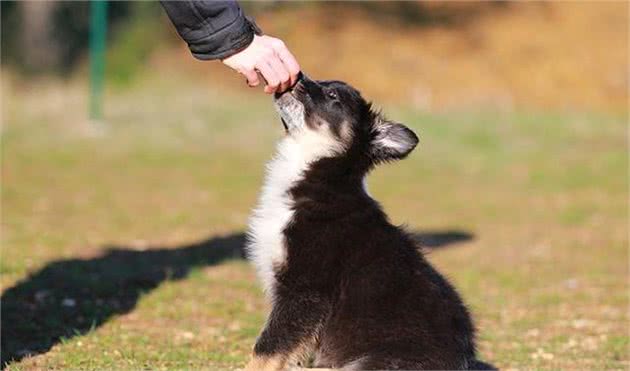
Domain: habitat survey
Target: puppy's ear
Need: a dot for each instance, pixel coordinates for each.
(391, 140)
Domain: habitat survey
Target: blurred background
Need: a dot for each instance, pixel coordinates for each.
(123, 210)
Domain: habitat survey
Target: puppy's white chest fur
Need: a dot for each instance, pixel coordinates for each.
(266, 239)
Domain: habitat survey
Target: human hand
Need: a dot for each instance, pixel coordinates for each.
(269, 57)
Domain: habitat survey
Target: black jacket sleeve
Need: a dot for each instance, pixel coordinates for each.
(212, 29)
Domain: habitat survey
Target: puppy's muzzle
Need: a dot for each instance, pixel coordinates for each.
(300, 77)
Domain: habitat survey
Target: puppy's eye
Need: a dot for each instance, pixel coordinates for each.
(332, 95)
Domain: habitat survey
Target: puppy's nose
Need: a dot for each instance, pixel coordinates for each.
(302, 77)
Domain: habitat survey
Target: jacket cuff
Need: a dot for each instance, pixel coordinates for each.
(237, 36)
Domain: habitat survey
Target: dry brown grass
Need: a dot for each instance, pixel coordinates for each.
(562, 55)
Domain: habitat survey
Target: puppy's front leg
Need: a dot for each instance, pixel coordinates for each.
(290, 331)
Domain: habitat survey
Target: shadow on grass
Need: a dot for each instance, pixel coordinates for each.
(68, 298)
(439, 239)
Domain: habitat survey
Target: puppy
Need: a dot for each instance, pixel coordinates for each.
(348, 289)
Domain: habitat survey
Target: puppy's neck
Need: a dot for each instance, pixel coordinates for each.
(294, 157)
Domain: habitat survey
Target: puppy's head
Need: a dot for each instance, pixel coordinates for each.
(332, 119)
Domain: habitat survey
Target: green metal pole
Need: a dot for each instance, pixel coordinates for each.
(98, 31)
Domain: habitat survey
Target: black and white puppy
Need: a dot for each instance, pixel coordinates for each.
(347, 288)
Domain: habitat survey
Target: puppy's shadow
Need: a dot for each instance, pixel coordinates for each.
(67, 298)
(70, 297)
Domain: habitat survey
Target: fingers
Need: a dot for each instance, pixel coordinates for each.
(290, 63)
(281, 72)
(272, 79)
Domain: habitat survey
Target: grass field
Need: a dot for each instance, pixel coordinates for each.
(121, 245)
